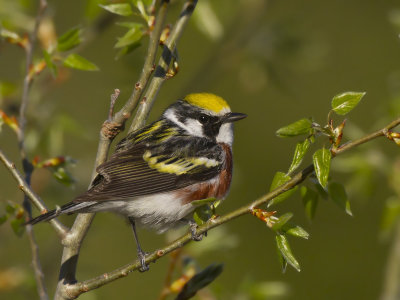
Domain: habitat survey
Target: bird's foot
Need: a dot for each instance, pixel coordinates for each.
(142, 258)
(193, 230)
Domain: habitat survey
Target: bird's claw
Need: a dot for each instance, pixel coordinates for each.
(142, 258)
(193, 230)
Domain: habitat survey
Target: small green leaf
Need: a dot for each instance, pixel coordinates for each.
(282, 220)
(301, 150)
(279, 179)
(17, 226)
(310, 201)
(122, 9)
(322, 163)
(126, 50)
(199, 281)
(303, 126)
(76, 61)
(63, 176)
(10, 208)
(202, 214)
(132, 36)
(204, 201)
(49, 62)
(3, 219)
(339, 196)
(69, 40)
(283, 245)
(345, 102)
(282, 260)
(295, 230)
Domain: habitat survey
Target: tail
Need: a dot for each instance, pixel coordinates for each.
(69, 208)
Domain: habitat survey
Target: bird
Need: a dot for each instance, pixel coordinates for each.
(156, 172)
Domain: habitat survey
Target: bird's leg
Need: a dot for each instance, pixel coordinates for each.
(193, 228)
(141, 253)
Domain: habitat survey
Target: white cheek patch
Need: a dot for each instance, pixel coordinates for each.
(192, 126)
(225, 134)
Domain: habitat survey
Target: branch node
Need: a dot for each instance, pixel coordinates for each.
(110, 129)
(138, 86)
(160, 253)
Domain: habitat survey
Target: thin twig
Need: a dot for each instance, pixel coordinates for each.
(162, 67)
(27, 166)
(175, 255)
(60, 229)
(90, 284)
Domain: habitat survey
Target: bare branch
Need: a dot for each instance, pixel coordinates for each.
(90, 284)
(162, 68)
(60, 229)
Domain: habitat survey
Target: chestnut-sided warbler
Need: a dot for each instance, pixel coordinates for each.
(157, 171)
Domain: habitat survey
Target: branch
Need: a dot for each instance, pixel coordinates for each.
(162, 67)
(35, 199)
(27, 166)
(90, 284)
(111, 127)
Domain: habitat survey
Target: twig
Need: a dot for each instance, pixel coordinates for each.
(110, 129)
(168, 278)
(162, 67)
(60, 229)
(81, 287)
(27, 166)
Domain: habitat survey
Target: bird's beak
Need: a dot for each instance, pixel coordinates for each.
(233, 117)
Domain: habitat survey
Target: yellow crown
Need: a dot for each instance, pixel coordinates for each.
(208, 102)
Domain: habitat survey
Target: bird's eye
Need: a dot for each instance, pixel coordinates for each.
(204, 119)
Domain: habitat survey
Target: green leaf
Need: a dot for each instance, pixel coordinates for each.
(63, 176)
(3, 219)
(282, 260)
(202, 214)
(18, 226)
(322, 163)
(49, 62)
(76, 61)
(345, 102)
(339, 196)
(295, 230)
(10, 208)
(283, 245)
(301, 150)
(204, 201)
(145, 2)
(122, 9)
(132, 36)
(310, 201)
(282, 220)
(279, 179)
(199, 281)
(303, 126)
(69, 40)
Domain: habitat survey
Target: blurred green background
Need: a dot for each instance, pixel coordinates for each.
(277, 61)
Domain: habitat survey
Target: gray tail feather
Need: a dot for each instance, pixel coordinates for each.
(69, 208)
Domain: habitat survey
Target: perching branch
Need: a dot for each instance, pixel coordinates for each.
(90, 284)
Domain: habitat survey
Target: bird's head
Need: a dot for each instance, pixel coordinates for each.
(204, 115)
